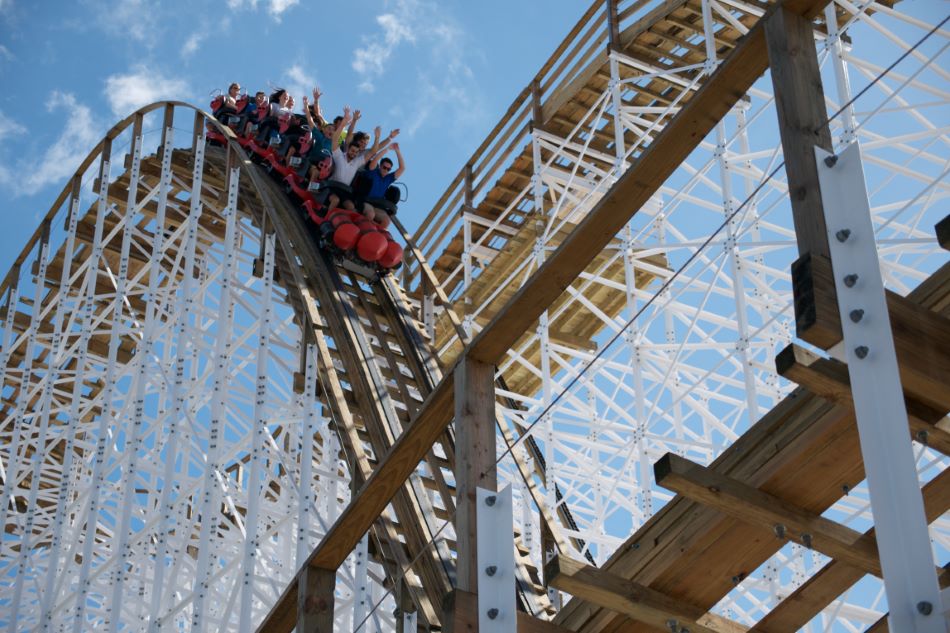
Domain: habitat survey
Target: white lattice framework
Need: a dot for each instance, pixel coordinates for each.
(148, 387)
(113, 453)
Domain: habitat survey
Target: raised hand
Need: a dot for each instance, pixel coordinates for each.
(394, 133)
(377, 131)
(316, 94)
(356, 116)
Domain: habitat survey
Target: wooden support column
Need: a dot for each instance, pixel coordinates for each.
(315, 600)
(613, 25)
(475, 457)
(803, 124)
(802, 121)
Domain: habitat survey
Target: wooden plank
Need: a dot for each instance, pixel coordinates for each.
(679, 137)
(829, 379)
(836, 577)
(632, 599)
(924, 369)
(770, 512)
(475, 458)
(315, 600)
(460, 612)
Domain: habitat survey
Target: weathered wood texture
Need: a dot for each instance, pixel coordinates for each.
(768, 512)
(315, 600)
(924, 369)
(474, 459)
(632, 599)
(802, 119)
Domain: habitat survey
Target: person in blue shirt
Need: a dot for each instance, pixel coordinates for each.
(380, 176)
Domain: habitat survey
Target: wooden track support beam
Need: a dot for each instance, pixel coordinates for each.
(795, 611)
(756, 507)
(802, 121)
(829, 379)
(921, 336)
(632, 599)
(315, 600)
(474, 458)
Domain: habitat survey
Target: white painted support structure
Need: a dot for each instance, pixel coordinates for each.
(496, 561)
(896, 502)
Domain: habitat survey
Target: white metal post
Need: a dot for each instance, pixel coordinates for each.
(255, 483)
(896, 503)
(496, 561)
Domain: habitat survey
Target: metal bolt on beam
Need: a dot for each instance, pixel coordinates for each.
(843, 235)
(861, 351)
(850, 280)
(856, 315)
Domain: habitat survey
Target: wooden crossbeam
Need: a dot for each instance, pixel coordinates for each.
(828, 378)
(924, 368)
(756, 507)
(795, 611)
(632, 599)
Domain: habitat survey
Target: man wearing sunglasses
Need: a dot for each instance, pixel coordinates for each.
(380, 176)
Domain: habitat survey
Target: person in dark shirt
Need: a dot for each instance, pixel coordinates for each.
(380, 176)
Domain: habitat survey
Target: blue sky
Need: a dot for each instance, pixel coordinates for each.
(443, 71)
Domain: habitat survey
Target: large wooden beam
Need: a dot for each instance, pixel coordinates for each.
(635, 187)
(315, 600)
(474, 459)
(632, 599)
(921, 336)
(828, 378)
(802, 121)
(795, 611)
(756, 507)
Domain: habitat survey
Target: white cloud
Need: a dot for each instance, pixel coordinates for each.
(59, 160)
(127, 93)
(5, 53)
(298, 82)
(191, 45)
(135, 19)
(9, 127)
(275, 7)
(400, 26)
(446, 89)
